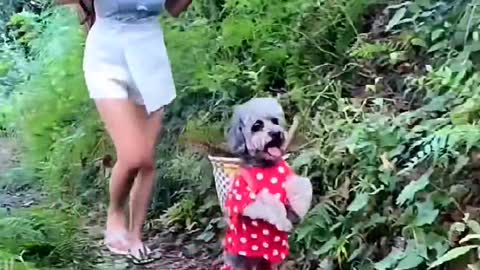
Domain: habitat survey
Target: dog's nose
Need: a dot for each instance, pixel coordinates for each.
(277, 135)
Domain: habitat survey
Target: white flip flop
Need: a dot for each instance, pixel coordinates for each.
(143, 257)
(111, 238)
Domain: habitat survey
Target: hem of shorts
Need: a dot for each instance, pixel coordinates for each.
(116, 98)
(160, 106)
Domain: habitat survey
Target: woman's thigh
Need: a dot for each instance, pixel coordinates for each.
(133, 132)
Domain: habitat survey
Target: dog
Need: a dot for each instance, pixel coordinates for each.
(266, 198)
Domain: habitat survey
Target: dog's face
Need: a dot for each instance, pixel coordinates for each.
(264, 137)
(257, 129)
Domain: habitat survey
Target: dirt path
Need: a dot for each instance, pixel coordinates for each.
(7, 154)
(12, 194)
(176, 252)
(173, 252)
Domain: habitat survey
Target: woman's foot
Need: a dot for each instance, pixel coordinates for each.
(116, 236)
(140, 254)
(117, 242)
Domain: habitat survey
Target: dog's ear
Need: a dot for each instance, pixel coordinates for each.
(235, 138)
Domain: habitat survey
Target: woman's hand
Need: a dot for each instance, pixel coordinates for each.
(84, 9)
(176, 7)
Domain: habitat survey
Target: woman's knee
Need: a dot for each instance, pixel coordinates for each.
(137, 161)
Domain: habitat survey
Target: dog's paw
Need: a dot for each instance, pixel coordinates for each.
(256, 210)
(277, 211)
(299, 193)
(284, 225)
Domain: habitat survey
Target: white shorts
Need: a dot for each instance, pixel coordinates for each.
(128, 60)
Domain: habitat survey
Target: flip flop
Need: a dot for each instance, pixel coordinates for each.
(144, 256)
(111, 238)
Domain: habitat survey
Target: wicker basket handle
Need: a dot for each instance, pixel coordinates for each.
(291, 132)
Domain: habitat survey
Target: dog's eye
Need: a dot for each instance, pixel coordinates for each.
(275, 121)
(257, 126)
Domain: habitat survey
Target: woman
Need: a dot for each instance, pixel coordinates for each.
(128, 75)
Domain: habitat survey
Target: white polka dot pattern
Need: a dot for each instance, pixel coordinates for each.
(249, 237)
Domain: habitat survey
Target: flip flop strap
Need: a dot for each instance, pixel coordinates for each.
(143, 256)
(114, 237)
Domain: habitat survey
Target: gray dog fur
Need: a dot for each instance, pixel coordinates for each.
(239, 136)
(247, 144)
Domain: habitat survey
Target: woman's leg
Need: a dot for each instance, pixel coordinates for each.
(144, 183)
(126, 124)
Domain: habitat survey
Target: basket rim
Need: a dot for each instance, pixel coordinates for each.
(224, 159)
(234, 159)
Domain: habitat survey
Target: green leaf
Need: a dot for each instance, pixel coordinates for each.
(356, 253)
(426, 213)
(396, 18)
(475, 266)
(438, 46)
(451, 255)
(418, 42)
(391, 260)
(475, 36)
(360, 201)
(326, 247)
(474, 226)
(470, 237)
(408, 193)
(461, 162)
(437, 33)
(206, 236)
(305, 158)
(437, 243)
(412, 260)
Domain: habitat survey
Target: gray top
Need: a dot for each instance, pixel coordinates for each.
(126, 10)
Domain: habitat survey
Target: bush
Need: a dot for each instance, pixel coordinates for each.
(48, 237)
(391, 163)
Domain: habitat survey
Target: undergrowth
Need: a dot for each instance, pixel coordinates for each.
(387, 94)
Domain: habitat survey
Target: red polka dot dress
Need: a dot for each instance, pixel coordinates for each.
(256, 238)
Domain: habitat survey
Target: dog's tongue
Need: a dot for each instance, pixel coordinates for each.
(274, 152)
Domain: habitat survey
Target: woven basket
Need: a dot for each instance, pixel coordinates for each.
(224, 171)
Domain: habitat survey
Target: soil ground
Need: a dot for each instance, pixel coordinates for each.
(175, 252)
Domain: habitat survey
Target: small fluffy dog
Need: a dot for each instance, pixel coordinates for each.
(266, 198)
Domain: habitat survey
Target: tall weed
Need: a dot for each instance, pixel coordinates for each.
(55, 117)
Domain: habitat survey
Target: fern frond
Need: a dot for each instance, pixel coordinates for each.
(445, 142)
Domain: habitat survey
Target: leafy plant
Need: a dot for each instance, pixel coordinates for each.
(46, 236)
(385, 162)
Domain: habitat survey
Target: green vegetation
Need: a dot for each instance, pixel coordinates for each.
(387, 95)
